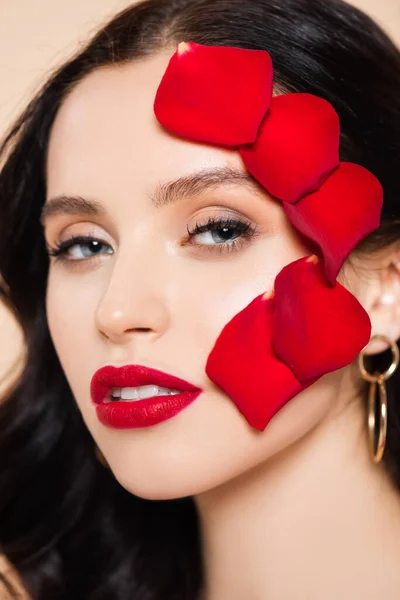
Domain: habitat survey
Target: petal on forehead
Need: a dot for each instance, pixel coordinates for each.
(297, 146)
(215, 94)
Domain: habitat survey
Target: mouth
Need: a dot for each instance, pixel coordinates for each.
(134, 396)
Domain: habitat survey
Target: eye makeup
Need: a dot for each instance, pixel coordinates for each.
(216, 234)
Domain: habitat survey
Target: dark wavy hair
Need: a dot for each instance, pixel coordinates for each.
(66, 525)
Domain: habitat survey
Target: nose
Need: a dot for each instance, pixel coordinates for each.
(134, 301)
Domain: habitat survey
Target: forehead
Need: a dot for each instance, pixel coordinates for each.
(106, 135)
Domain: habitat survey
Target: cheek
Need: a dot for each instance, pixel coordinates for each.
(70, 307)
(212, 444)
(210, 294)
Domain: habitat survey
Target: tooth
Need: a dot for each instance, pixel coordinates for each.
(148, 391)
(116, 393)
(129, 394)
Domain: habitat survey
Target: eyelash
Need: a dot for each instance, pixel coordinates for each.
(244, 228)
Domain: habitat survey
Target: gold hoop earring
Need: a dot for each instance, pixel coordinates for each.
(377, 449)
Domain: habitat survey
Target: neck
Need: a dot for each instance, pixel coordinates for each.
(310, 523)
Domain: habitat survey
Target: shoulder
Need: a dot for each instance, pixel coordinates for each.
(8, 573)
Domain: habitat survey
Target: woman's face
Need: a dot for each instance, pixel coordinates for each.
(154, 292)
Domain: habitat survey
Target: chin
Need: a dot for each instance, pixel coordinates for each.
(161, 488)
(163, 480)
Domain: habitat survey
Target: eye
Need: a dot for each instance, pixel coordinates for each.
(216, 234)
(226, 234)
(78, 248)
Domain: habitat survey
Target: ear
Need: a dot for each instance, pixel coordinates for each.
(378, 290)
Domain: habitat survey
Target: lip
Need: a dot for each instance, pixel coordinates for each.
(139, 413)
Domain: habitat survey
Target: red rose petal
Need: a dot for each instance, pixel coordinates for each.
(297, 146)
(243, 365)
(318, 328)
(340, 214)
(215, 94)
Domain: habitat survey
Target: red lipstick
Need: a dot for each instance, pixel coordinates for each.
(132, 414)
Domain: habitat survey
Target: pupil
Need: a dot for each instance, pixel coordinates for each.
(224, 233)
(95, 246)
(88, 249)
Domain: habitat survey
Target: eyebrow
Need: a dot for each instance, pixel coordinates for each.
(165, 194)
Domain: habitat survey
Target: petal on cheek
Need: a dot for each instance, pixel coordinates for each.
(318, 328)
(244, 366)
(297, 146)
(340, 214)
(215, 94)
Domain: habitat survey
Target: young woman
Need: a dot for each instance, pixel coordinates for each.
(192, 420)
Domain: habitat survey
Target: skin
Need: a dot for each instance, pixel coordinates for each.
(155, 298)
